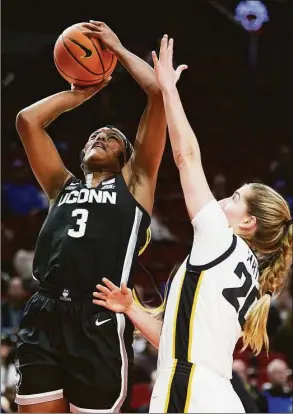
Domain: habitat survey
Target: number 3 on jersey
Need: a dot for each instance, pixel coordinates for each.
(82, 216)
(232, 295)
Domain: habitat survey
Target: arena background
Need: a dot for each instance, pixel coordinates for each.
(237, 94)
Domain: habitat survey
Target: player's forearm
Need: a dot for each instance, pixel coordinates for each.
(183, 140)
(48, 109)
(149, 327)
(140, 70)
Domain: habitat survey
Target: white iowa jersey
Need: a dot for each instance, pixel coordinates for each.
(210, 296)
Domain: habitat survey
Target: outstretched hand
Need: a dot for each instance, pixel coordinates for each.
(166, 75)
(99, 30)
(112, 297)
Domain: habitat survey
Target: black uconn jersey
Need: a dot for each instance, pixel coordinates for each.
(89, 234)
(68, 346)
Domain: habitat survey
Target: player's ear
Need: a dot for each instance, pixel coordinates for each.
(248, 223)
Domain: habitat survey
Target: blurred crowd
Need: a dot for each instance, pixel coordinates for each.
(268, 381)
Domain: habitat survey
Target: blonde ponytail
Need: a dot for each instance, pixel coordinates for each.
(255, 328)
(275, 269)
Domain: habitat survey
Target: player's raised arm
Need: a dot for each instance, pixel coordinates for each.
(141, 171)
(31, 124)
(185, 147)
(119, 300)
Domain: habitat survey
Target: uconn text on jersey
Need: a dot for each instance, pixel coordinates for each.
(88, 196)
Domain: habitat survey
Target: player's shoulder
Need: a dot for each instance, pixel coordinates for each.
(71, 184)
(210, 213)
(208, 258)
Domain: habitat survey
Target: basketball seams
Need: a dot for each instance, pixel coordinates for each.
(97, 50)
(67, 59)
(72, 78)
(112, 57)
(75, 58)
(110, 66)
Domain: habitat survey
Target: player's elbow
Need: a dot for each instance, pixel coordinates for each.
(21, 120)
(24, 120)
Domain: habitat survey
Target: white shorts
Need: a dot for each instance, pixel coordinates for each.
(189, 388)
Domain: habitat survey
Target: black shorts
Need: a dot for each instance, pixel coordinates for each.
(74, 349)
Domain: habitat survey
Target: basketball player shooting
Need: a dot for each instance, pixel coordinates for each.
(241, 254)
(69, 351)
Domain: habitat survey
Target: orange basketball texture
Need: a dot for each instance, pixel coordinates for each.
(82, 60)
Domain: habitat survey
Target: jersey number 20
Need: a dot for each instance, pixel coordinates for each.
(82, 216)
(232, 294)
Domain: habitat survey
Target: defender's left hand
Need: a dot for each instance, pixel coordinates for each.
(99, 30)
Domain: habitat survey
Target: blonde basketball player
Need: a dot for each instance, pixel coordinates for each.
(240, 256)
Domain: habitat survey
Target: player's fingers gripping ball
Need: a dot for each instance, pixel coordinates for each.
(82, 60)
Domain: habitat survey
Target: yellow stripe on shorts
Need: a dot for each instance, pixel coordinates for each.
(169, 386)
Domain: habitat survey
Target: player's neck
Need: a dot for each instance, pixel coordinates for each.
(95, 178)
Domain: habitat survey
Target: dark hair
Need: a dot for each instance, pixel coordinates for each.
(127, 145)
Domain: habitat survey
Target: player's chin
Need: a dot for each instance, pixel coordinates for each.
(97, 155)
(97, 161)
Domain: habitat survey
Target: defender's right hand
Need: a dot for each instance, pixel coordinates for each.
(113, 298)
(166, 75)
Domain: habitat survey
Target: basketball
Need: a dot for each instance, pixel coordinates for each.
(82, 60)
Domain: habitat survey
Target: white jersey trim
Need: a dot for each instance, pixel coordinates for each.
(75, 409)
(124, 366)
(131, 246)
(215, 262)
(120, 317)
(39, 398)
